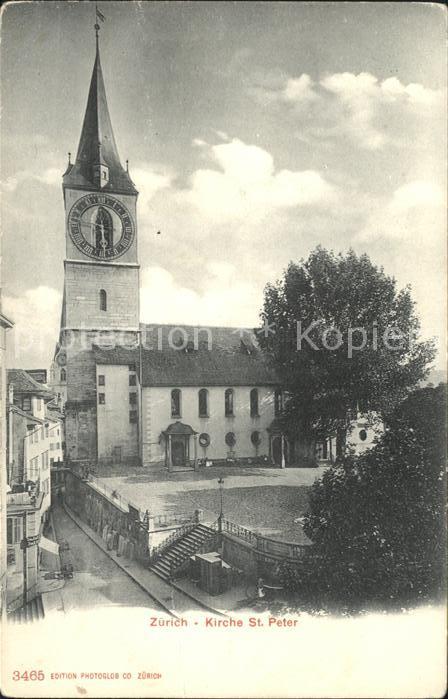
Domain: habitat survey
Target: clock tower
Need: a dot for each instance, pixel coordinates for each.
(101, 271)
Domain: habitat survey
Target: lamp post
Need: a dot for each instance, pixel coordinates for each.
(221, 487)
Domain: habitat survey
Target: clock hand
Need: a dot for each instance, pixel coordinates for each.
(92, 225)
(103, 242)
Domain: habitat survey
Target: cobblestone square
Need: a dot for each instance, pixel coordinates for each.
(264, 500)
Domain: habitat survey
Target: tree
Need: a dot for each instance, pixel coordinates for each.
(378, 521)
(342, 336)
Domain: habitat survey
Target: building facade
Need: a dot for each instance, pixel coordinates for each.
(5, 326)
(35, 435)
(179, 400)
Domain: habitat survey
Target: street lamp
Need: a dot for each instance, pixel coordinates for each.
(221, 487)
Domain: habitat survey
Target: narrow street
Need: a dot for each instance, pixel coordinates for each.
(97, 581)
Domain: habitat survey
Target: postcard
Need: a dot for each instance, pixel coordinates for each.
(223, 349)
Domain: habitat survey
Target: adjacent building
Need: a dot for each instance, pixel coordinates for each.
(5, 326)
(35, 441)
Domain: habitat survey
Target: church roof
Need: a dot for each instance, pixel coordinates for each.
(207, 357)
(97, 142)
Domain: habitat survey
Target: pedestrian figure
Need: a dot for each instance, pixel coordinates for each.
(260, 588)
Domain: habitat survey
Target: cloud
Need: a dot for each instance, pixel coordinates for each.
(50, 176)
(415, 194)
(246, 184)
(224, 298)
(150, 180)
(359, 107)
(414, 212)
(406, 234)
(35, 315)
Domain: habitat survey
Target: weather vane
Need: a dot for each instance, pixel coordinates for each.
(98, 16)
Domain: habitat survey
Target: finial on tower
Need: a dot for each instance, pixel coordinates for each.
(98, 16)
(69, 158)
(127, 166)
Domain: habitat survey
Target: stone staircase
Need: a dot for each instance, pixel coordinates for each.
(178, 553)
(32, 611)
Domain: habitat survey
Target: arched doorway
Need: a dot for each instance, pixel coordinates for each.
(180, 446)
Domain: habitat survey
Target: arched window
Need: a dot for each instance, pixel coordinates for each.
(278, 402)
(203, 402)
(175, 403)
(254, 402)
(103, 300)
(228, 402)
(102, 229)
(63, 375)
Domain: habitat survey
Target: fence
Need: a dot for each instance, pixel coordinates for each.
(273, 547)
(157, 551)
(237, 530)
(173, 519)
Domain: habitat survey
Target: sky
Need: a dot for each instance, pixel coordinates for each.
(254, 132)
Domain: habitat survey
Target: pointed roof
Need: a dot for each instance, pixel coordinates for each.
(97, 143)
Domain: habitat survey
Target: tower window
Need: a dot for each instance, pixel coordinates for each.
(132, 380)
(102, 398)
(133, 398)
(254, 402)
(101, 380)
(63, 375)
(103, 300)
(175, 403)
(228, 402)
(203, 402)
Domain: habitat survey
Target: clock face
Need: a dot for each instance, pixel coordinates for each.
(100, 226)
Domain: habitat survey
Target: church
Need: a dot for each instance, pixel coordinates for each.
(172, 396)
(177, 396)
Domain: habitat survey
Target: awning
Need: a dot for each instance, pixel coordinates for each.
(48, 545)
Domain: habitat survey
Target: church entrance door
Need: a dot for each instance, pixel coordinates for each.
(178, 451)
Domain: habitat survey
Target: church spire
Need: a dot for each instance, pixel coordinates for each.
(97, 163)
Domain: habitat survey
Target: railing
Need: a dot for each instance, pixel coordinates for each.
(167, 520)
(238, 531)
(285, 549)
(157, 551)
(272, 547)
(111, 494)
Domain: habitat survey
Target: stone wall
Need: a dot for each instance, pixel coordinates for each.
(262, 559)
(83, 282)
(117, 524)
